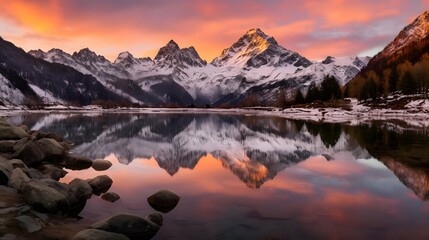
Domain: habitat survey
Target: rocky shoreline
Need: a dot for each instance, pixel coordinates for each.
(35, 205)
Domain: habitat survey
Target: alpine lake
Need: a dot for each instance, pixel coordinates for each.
(255, 177)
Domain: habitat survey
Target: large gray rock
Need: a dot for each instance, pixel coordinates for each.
(29, 224)
(51, 148)
(101, 164)
(79, 191)
(163, 201)
(110, 197)
(7, 145)
(100, 184)
(95, 234)
(44, 198)
(77, 163)
(5, 171)
(17, 163)
(52, 171)
(33, 173)
(29, 153)
(12, 133)
(18, 179)
(40, 135)
(132, 226)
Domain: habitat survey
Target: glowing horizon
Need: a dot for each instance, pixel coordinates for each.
(314, 29)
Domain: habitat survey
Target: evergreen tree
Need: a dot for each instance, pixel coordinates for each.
(408, 84)
(330, 89)
(393, 80)
(299, 98)
(313, 93)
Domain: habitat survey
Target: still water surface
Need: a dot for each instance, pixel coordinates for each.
(253, 177)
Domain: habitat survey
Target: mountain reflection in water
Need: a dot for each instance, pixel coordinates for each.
(356, 194)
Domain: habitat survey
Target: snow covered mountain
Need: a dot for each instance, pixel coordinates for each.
(416, 31)
(410, 45)
(256, 49)
(255, 62)
(30, 81)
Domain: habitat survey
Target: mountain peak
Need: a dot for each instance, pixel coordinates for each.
(171, 55)
(172, 43)
(255, 49)
(416, 31)
(87, 55)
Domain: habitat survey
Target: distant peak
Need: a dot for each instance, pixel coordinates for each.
(172, 43)
(125, 54)
(255, 31)
(328, 60)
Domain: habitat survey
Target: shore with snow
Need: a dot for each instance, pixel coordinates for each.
(415, 112)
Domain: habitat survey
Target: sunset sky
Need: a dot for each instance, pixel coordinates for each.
(313, 28)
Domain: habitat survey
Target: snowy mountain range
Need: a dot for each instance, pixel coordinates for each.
(179, 75)
(255, 65)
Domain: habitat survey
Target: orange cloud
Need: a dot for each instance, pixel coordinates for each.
(142, 27)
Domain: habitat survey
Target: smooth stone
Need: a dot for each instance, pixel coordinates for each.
(5, 171)
(44, 198)
(156, 218)
(101, 164)
(77, 163)
(50, 147)
(17, 163)
(33, 173)
(100, 184)
(163, 201)
(29, 153)
(110, 197)
(95, 234)
(79, 191)
(29, 223)
(7, 145)
(53, 172)
(132, 226)
(40, 135)
(12, 133)
(18, 179)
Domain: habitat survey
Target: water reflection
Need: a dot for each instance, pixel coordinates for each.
(286, 186)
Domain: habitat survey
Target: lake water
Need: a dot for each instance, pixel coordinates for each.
(253, 177)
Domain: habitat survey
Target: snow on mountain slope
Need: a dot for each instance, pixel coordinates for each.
(256, 49)
(412, 33)
(8, 94)
(254, 60)
(343, 69)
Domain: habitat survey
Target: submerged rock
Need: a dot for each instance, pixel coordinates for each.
(132, 226)
(101, 164)
(163, 201)
(156, 218)
(100, 184)
(110, 197)
(95, 234)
